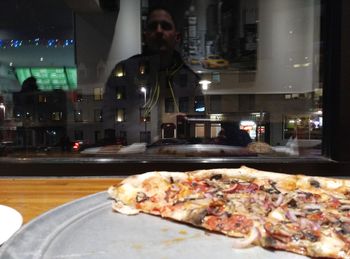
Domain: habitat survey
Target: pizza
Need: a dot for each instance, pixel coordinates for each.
(296, 213)
(260, 148)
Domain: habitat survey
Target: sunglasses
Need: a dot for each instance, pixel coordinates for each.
(152, 26)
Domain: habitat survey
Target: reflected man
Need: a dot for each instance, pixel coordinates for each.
(143, 92)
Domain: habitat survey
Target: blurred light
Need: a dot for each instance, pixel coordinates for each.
(204, 84)
(119, 71)
(76, 146)
(2, 107)
(144, 91)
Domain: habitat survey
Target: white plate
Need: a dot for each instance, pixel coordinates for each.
(89, 229)
(10, 221)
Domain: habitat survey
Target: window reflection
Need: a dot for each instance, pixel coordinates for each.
(257, 63)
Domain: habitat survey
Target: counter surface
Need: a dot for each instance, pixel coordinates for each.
(34, 196)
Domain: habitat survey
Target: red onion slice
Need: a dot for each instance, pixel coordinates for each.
(291, 215)
(279, 200)
(247, 241)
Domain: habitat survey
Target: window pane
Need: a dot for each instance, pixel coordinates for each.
(243, 72)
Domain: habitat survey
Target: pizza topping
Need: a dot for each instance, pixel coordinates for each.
(315, 183)
(291, 215)
(216, 177)
(247, 187)
(141, 196)
(311, 236)
(334, 203)
(216, 208)
(279, 200)
(292, 203)
(248, 241)
(345, 207)
(229, 223)
(344, 219)
(277, 214)
(279, 231)
(196, 216)
(345, 228)
(311, 207)
(231, 189)
(309, 224)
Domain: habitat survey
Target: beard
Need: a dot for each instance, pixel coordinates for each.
(159, 45)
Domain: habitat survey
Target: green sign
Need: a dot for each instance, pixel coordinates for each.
(48, 79)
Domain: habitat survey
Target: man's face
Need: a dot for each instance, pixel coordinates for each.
(161, 35)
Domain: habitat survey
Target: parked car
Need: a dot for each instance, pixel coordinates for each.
(214, 61)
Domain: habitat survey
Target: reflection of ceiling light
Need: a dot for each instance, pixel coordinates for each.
(204, 84)
(247, 123)
(41, 59)
(2, 107)
(302, 65)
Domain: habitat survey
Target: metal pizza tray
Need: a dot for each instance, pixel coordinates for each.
(88, 228)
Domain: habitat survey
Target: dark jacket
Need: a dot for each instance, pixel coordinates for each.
(130, 75)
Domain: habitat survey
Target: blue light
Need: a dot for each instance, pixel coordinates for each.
(200, 109)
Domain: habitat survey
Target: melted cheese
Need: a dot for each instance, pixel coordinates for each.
(277, 214)
(329, 245)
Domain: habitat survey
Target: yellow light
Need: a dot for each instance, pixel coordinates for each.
(119, 71)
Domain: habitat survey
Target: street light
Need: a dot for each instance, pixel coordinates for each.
(204, 84)
(144, 91)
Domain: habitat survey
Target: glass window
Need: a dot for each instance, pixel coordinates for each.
(183, 104)
(169, 105)
(42, 99)
(98, 94)
(121, 93)
(120, 115)
(199, 105)
(98, 115)
(56, 116)
(249, 69)
(78, 116)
